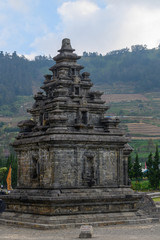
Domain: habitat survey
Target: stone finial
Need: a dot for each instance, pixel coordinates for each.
(127, 149)
(66, 45)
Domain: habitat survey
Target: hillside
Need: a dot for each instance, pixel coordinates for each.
(140, 118)
(19, 76)
(122, 71)
(125, 71)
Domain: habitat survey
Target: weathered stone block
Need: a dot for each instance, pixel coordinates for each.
(86, 231)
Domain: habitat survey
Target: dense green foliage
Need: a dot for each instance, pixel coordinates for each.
(138, 69)
(134, 169)
(130, 168)
(153, 169)
(142, 185)
(137, 170)
(3, 171)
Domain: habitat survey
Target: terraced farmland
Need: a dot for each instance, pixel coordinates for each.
(139, 113)
(143, 129)
(123, 97)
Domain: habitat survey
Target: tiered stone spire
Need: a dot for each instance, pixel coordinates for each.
(67, 102)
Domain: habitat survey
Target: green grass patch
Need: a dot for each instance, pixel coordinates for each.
(141, 185)
(157, 199)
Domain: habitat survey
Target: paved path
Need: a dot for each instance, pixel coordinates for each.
(124, 232)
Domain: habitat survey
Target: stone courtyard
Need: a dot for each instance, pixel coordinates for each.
(125, 232)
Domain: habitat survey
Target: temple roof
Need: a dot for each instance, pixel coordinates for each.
(66, 51)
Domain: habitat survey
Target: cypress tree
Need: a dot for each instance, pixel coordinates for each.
(156, 169)
(150, 172)
(153, 169)
(137, 170)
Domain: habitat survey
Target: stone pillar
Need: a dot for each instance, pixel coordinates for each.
(125, 167)
(126, 152)
(120, 167)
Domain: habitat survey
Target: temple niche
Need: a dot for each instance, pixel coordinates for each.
(71, 158)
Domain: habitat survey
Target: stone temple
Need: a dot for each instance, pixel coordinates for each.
(72, 160)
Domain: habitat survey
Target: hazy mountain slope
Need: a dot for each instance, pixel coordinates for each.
(137, 70)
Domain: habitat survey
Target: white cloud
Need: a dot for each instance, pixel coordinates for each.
(49, 44)
(92, 25)
(71, 10)
(153, 3)
(120, 24)
(141, 26)
(94, 31)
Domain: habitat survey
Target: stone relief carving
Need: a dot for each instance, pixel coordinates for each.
(89, 174)
(35, 167)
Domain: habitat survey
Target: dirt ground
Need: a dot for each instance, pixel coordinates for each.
(123, 232)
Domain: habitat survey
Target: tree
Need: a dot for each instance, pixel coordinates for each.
(3, 170)
(138, 48)
(137, 170)
(150, 172)
(156, 169)
(153, 169)
(130, 168)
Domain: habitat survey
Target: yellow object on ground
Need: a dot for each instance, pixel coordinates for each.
(9, 185)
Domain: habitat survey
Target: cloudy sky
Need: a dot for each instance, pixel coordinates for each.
(34, 27)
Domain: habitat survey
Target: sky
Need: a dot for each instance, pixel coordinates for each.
(37, 27)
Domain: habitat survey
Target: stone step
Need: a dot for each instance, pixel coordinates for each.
(73, 225)
(75, 195)
(155, 209)
(83, 191)
(154, 194)
(72, 218)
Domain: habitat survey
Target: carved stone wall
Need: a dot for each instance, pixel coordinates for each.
(70, 166)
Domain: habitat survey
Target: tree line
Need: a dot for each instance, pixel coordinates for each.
(137, 67)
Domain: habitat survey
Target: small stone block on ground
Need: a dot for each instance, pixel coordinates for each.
(86, 231)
